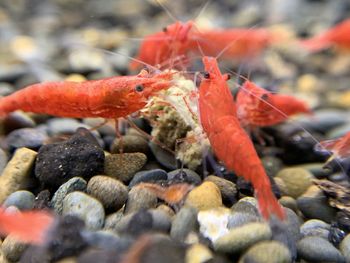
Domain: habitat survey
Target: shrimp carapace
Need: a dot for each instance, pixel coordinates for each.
(228, 140)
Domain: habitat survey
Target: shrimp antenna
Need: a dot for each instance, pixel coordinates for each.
(166, 9)
(203, 8)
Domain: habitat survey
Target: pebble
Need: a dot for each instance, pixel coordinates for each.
(17, 120)
(165, 158)
(289, 202)
(93, 255)
(239, 239)
(317, 249)
(213, 223)
(205, 196)
(161, 220)
(314, 204)
(246, 205)
(16, 172)
(85, 207)
(267, 252)
(23, 200)
(130, 144)
(124, 166)
(184, 222)
(80, 156)
(110, 192)
(345, 248)
(112, 220)
(198, 253)
(295, 181)
(59, 126)
(3, 160)
(106, 240)
(315, 227)
(12, 248)
(139, 223)
(6, 89)
(25, 137)
(185, 175)
(74, 184)
(272, 165)
(227, 188)
(140, 198)
(148, 176)
(237, 219)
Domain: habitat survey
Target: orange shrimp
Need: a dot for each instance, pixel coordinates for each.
(108, 98)
(160, 47)
(27, 226)
(257, 107)
(229, 141)
(338, 36)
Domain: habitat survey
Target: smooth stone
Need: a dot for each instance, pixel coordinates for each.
(23, 200)
(58, 126)
(105, 130)
(198, 253)
(227, 188)
(140, 198)
(272, 165)
(85, 207)
(124, 166)
(184, 222)
(92, 255)
(17, 120)
(237, 219)
(6, 89)
(148, 176)
(184, 175)
(16, 172)
(112, 220)
(110, 192)
(3, 160)
(317, 249)
(239, 239)
(213, 223)
(140, 223)
(130, 144)
(345, 248)
(161, 220)
(247, 205)
(314, 205)
(267, 252)
(79, 156)
(290, 202)
(165, 158)
(106, 240)
(25, 137)
(316, 169)
(205, 196)
(315, 227)
(12, 248)
(74, 184)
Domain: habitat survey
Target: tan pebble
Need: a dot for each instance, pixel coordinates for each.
(198, 253)
(13, 249)
(170, 212)
(75, 78)
(289, 202)
(307, 83)
(16, 172)
(205, 196)
(67, 260)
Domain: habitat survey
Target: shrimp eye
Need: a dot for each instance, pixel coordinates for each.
(264, 96)
(139, 88)
(165, 29)
(206, 75)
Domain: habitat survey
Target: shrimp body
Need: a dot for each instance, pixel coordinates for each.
(108, 98)
(229, 141)
(162, 46)
(257, 107)
(338, 36)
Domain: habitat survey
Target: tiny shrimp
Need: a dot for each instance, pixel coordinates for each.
(113, 97)
(338, 36)
(257, 107)
(229, 141)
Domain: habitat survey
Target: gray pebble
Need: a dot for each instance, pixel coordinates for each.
(130, 144)
(185, 175)
(184, 222)
(25, 137)
(345, 247)
(317, 249)
(165, 158)
(110, 192)
(315, 227)
(112, 220)
(238, 219)
(148, 176)
(85, 207)
(3, 160)
(6, 89)
(12, 248)
(106, 240)
(74, 184)
(161, 220)
(140, 198)
(23, 200)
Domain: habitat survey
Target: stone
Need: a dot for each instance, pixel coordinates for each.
(140, 198)
(227, 188)
(184, 222)
(23, 200)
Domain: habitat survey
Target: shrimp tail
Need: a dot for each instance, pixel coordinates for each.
(316, 44)
(28, 226)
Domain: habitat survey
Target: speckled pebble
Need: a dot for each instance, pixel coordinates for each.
(317, 249)
(16, 172)
(227, 188)
(148, 176)
(85, 207)
(239, 239)
(25, 137)
(124, 166)
(130, 144)
(345, 248)
(13, 249)
(23, 200)
(110, 192)
(296, 181)
(205, 196)
(267, 252)
(74, 184)
(112, 220)
(184, 222)
(185, 175)
(315, 227)
(140, 198)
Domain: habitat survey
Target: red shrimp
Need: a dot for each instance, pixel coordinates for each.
(160, 47)
(338, 36)
(229, 141)
(257, 107)
(27, 226)
(108, 98)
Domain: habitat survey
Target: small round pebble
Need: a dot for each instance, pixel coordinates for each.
(124, 166)
(290, 202)
(198, 253)
(161, 220)
(318, 249)
(23, 200)
(165, 158)
(148, 176)
(130, 144)
(140, 198)
(184, 222)
(227, 188)
(110, 192)
(185, 175)
(12, 248)
(239, 239)
(267, 252)
(345, 247)
(85, 207)
(25, 137)
(315, 227)
(205, 196)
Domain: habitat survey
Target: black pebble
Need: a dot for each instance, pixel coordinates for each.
(140, 223)
(80, 156)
